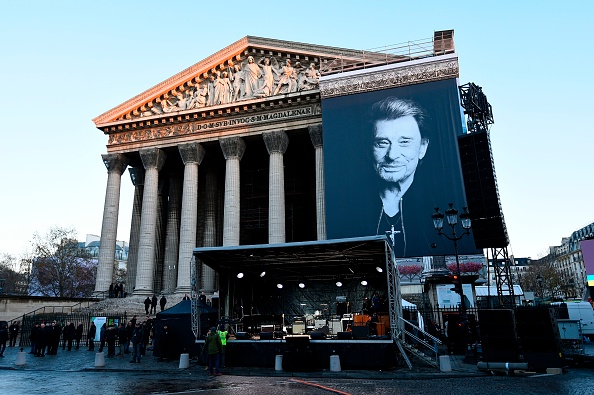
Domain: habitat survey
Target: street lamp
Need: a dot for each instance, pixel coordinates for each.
(451, 214)
(452, 218)
(539, 282)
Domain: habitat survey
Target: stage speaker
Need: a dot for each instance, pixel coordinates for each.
(297, 342)
(266, 335)
(317, 335)
(344, 335)
(342, 308)
(482, 194)
(498, 335)
(538, 333)
(360, 331)
(242, 336)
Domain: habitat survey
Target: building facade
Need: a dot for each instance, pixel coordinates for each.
(231, 152)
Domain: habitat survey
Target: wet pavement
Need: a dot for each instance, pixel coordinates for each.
(74, 372)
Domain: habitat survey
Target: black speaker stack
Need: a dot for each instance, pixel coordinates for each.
(482, 195)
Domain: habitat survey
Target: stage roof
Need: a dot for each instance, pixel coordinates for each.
(321, 259)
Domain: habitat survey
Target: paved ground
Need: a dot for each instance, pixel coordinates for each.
(82, 360)
(75, 373)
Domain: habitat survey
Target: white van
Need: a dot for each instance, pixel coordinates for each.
(583, 312)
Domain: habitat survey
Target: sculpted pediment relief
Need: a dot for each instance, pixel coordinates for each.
(252, 68)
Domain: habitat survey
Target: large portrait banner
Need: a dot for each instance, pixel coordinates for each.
(390, 157)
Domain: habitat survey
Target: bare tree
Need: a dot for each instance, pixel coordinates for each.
(12, 281)
(543, 279)
(60, 268)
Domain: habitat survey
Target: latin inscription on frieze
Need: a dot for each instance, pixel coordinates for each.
(206, 127)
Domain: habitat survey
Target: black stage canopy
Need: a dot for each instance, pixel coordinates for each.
(313, 260)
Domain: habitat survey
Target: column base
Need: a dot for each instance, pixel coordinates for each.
(183, 290)
(143, 292)
(100, 294)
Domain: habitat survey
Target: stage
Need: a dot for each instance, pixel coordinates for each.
(311, 355)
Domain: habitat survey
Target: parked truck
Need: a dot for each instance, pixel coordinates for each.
(579, 311)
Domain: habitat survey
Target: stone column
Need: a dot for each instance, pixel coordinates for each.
(207, 280)
(116, 164)
(137, 176)
(315, 133)
(192, 155)
(276, 144)
(233, 150)
(159, 239)
(172, 236)
(153, 160)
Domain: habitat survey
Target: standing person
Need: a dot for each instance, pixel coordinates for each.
(91, 337)
(202, 299)
(3, 338)
(111, 335)
(186, 297)
(42, 340)
(54, 334)
(213, 346)
(224, 336)
(164, 343)
(78, 335)
(33, 336)
(146, 336)
(129, 332)
(163, 302)
(13, 331)
(123, 339)
(69, 332)
(102, 334)
(154, 301)
(111, 290)
(147, 305)
(137, 338)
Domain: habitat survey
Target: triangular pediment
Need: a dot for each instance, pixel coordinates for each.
(252, 68)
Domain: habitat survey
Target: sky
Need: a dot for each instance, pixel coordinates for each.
(62, 63)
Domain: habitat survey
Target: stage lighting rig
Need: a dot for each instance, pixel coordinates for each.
(476, 106)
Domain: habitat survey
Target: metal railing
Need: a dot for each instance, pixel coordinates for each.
(396, 53)
(428, 344)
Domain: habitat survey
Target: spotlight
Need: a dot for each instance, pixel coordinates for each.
(239, 275)
(364, 282)
(379, 269)
(339, 284)
(262, 274)
(301, 285)
(279, 286)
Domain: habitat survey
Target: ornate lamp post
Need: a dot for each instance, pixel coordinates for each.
(452, 217)
(539, 282)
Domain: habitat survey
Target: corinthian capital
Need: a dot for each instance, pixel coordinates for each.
(233, 147)
(315, 134)
(115, 162)
(153, 158)
(191, 153)
(276, 141)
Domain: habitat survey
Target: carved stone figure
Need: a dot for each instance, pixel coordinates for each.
(238, 81)
(210, 89)
(251, 74)
(198, 98)
(226, 89)
(310, 79)
(287, 79)
(268, 72)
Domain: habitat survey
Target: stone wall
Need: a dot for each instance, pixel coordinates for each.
(13, 307)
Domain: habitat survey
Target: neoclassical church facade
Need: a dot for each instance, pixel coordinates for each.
(228, 152)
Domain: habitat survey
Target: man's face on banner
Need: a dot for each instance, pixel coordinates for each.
(398, 148)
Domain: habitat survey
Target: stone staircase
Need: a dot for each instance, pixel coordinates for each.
(130, 306)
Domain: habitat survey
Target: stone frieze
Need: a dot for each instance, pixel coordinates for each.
(389, 78)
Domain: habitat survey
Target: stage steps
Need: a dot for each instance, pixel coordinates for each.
(420, 355)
